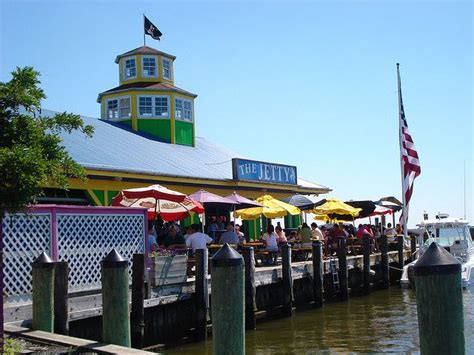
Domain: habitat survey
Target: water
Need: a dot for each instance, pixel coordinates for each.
(385, 321)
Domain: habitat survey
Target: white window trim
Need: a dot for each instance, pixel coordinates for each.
(153, 107)
(125, 77)
(192, 109)
(118, 98)
(157, 67)
(163, 59)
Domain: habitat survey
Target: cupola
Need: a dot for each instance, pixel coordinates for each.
(147, 100)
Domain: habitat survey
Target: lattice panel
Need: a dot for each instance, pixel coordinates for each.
(25, 236)
(85, 239)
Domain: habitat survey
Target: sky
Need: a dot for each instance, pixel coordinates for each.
(305, 83)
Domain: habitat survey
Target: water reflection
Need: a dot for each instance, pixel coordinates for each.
(385, 321)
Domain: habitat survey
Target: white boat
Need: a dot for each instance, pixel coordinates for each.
(452, 234)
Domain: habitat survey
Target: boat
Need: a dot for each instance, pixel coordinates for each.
(454, 235)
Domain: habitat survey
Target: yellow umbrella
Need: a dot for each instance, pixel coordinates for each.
(334, 206)
(271, 208)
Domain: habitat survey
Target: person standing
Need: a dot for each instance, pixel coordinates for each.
(316, 233)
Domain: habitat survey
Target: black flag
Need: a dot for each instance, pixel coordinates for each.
(151, 29)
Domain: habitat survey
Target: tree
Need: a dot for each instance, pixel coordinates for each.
(31, 155)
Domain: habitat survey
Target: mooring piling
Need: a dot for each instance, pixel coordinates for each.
(439, 302)
(201, 295)
(43, 293)
(413, 246)
(318, 274)
(61, 309)
(366, 262)
(250, 289)
(343, 273)
(384, 262)
(137, 316)
(287, 280)
(400, 246)
(115, 312)
(228, 302)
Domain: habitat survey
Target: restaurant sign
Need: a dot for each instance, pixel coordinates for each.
(252, 170)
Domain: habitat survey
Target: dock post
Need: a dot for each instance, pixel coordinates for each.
(43, 293)
(366, 262)
(439, 302)
(61, 309)
(250, 289)
(318, 274)
(343, 273)
(401, 257)
(287, 280)
(385, 264)
(137, 315)
(228, 302)
(413, 247)
(115, 313)
(201, 295)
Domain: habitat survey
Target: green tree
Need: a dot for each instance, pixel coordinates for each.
(31, 155)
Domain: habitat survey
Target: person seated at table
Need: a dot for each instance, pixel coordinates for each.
(281, 237)
(198, 240)
(151, 238)
(173, 239)
(229, 236)
(188, 231)
(212, 227)
(335, 235)
(293, 237)
(239, 233)
(304, 235)
(390, 232)
(270, 239)
(316, 233)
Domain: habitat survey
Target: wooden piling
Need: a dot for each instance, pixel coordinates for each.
(43, 293)
(287, 280)
(61, 309)
(115, 313)
(228, 302)
(343, 274)
(250, 289)
(366, 262)
(384, 262)
(401, 257)
(413, 246)
(439, 302)
(201, 295)
(318, 274)
(137, 315)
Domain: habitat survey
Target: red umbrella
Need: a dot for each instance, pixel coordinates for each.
(157, 192)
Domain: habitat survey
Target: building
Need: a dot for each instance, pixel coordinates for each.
(146, 135)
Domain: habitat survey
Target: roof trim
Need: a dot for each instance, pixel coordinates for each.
(144, 50)
(173, 89)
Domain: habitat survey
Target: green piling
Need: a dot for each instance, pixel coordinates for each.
(43, 293)
(439, 302)
(115, 312)
(228, 300)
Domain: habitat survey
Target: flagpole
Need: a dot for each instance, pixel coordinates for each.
(405, 209)
(144, 38)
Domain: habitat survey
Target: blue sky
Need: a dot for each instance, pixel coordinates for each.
(306, 83)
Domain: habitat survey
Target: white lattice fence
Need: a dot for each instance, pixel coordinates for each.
(25, 236)
(85, 239)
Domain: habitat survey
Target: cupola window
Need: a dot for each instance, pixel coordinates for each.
(130, 68)
(118, 108)
(183, 110)
(166, 69)
(153, 106)
(149, 67)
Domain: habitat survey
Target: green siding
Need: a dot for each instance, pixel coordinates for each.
(100, 195)
(249, 228)
(159, 128)
(184, 133)
(127, 122)
(292, 221)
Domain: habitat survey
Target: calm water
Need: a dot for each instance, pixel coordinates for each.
(385, 321)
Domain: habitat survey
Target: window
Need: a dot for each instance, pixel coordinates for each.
(166, 69)
(153, 106)
(149, 67)
(183, 110)
(130, 68)
(118, 108)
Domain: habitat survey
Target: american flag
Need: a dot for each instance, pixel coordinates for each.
(410, 165)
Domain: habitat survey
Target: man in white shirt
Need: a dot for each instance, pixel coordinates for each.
(197, 240)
